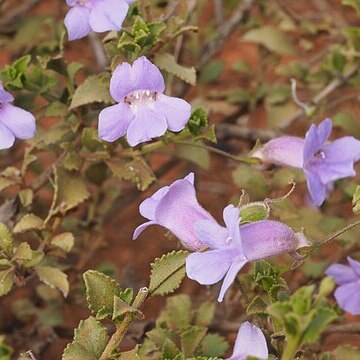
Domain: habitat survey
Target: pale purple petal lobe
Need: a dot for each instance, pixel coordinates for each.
(141, 228)
(342, 274)
(176, 111)
(208, 267)
(250, 341)
(317, 189)
(5, 96)
(7, 138)
(114, 121)
(211, 234)
(348, 297)
(20, 122)
(77, 22)
(355, 265)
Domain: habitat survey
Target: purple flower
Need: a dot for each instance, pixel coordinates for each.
(347, 295)
(232, 247)
(322, 162)
(250, 341)
(14, 121)
(175, 207)
(94, 15)
(143, 112)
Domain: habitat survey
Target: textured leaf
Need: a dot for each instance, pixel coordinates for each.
(28, 222)
(5, 183)
(64, 241)
(191, 339)
(54, 278)
(178, 312)
(94, 89)
(89, 342)
(121, 308)
(169, 349)
(100, 292)
(205, 314)
(256, 306)
(168, 63)
(26, 197)
(322, 318)
(6, 239)
(23, 252)
(199, 156)
(271, 38)
(167, 273)
(137, 171)
(6, 281)
(255, 211)
(214, 345)
(70, 189)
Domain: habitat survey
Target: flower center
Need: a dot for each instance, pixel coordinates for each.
(320, 155)
(140, 97)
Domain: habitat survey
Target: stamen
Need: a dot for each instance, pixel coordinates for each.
(143, 97)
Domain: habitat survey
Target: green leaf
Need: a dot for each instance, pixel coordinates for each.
(197, 121)
(6, 238)
(197, 155)
(28, 222)
(121, 308)
(26, 197)
(191, 339)
(53, 277)
(94, 89)
(347, 122)
(5, 350)
(5, 183)
(89, 342)
(168, 63)
(277, 114)
(100, 292)
(212, 71)
(205, 314)
(70, 190)
(256, 306)
(214, 345)
(251, 180)
(271, 38)
(278, 95)
(64, 241)
(14, 75)
(356, 200)
(6, 281)
(169, 349)
(137, 171)
(323, 316)
(255, 211)
(23, 252)
(178, 312)
(167, 273)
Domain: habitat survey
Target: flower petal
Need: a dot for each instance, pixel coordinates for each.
(141, 228)
(178, 211)
(317, 189)
(250, 341)
(267, 238)
(355, 265)
(348, 297)
(177, 111)
(147, 207)
(230, 277)
(19, 121)
(283, 151)
(315, 137)
(108, 15)
(7, 138)
(208, 267)
(5, 96)
(231, 215)
(147, 125)
(142, 75)
(77, 22)
(342, 274)
(114, 121)
(211, 234)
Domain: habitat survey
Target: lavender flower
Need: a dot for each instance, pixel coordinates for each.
(250, 341)
(347, 294)
(143, 112)
(322, 162)
(175, 207)
(232, 247)
(94, 15)
(14, 121)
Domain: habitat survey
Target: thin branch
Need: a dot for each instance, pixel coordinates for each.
(224, 32)
(324, 93)
(98, 49)
(230, 130)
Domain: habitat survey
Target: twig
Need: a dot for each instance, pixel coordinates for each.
(344, 328)
(231, 130)
(219, 13)
(17, 11)
(98, 48)
(324, 93)
(224, 32)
